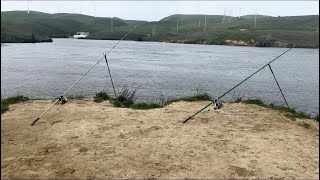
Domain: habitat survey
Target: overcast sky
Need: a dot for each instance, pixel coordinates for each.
(156, 10)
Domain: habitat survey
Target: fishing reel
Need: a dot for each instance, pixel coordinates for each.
(63, 100)
(216, 105)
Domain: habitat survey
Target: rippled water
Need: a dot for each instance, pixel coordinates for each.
(160, 70)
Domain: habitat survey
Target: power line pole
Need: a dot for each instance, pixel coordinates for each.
(152, 31)
(224, 16)
(255, 21)
(199, 22)
(95, 15)
(177, 26)
(231, 15)
(111, 25)
(28, 6)
(205, 23)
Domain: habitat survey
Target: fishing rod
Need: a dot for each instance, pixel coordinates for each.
(235, 86)
(61, 97)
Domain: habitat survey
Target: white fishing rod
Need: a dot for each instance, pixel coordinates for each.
(61, 97)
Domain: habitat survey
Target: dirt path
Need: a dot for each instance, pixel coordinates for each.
(87, 140)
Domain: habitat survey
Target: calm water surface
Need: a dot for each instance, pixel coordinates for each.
(160, 70)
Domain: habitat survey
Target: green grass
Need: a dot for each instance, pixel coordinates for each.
(18, 26)
(101, 96)
(197, 97)
(11, 100)
(75, 97)
(127, 99)
(144, 105)
(291, 112)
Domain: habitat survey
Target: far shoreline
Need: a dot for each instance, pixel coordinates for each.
(173, 42)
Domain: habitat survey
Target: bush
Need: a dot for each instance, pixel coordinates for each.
(11, 100)
(101, 96)
(126, 97)
(239, 99)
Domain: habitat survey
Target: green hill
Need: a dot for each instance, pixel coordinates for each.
(17, 26)
(297, 31)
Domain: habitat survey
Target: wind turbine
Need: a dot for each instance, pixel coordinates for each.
(255, 20)
(28, 5)
(94, 11)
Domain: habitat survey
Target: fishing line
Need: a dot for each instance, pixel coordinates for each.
(106, 76)
(82, 76)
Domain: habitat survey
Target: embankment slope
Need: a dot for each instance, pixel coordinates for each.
(83, 139)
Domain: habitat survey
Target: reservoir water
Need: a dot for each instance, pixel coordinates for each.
(160, 71)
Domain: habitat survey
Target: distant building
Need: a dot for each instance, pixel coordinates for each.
(81, 35)
(242, 30)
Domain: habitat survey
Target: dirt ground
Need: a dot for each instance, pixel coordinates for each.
(86, 140)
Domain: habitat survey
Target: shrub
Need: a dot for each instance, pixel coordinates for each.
(126, 97)
(101, 96)
(11, 100)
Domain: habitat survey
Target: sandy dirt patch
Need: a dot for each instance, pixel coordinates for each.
(86, 140)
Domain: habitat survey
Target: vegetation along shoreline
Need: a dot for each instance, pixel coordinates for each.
(127, 100)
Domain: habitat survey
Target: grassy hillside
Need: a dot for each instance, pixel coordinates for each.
(18, 25)
(300, 30)
(297, 31)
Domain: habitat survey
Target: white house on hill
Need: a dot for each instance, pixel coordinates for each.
(81, 35)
